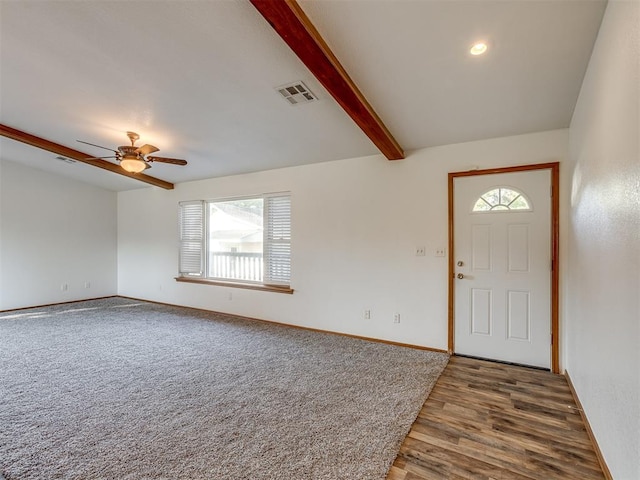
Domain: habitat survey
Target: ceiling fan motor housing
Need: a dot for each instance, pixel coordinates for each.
(128, 150)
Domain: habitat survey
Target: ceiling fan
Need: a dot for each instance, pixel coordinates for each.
(136, 159)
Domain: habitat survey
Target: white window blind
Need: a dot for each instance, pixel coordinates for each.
(192, 238)
(277, 239)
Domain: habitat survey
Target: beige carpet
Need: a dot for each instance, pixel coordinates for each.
(117, 389)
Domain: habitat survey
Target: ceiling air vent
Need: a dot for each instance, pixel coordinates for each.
(65, 159)
(296, 93)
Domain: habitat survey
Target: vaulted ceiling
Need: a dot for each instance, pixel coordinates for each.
(198, 79)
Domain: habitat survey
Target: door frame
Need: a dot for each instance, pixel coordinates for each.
(554, 167)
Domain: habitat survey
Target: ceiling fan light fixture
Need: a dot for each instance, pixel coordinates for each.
(133, 164)
(134, 159)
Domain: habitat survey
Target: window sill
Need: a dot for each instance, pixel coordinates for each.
(248, 286)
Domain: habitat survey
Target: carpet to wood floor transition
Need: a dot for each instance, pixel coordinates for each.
(117, 389)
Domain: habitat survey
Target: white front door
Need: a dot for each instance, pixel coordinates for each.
(502, 256)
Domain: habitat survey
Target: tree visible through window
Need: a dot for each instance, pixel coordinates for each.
(501, 198)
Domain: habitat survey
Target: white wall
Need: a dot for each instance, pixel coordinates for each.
(54, 231)
(603, 279)
(356, 224)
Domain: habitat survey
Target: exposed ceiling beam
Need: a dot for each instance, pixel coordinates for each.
(295, 28)
(58, 149)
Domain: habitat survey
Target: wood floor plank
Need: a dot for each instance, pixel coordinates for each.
(396, 473)
(486, 420)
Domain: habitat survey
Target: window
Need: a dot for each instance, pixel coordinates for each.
(244, 240)
(501, 199)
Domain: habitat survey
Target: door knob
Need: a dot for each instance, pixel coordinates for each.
(460, 276)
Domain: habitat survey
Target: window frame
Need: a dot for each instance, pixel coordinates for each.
(268, 283)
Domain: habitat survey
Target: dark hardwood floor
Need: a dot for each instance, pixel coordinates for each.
(486, 420)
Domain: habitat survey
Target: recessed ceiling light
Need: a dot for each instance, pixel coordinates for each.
(478, 49)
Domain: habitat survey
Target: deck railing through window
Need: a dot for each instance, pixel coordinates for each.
(236, 265)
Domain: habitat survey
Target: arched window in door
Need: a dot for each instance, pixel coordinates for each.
(502, 199)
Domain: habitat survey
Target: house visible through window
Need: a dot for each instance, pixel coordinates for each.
(244, 240)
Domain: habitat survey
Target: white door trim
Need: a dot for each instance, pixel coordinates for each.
(555, 235)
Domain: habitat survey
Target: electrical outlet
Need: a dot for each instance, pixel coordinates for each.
(440, 252)
(367, 315)
(87, 284)
(396, 318)
(230, 296)
(64, 287)
(420, 251)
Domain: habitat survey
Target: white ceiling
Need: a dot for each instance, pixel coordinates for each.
(197, 78)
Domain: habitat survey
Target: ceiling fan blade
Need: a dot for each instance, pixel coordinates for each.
(100, 158)
(147, 149)
(99, 146)
(174, 161)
